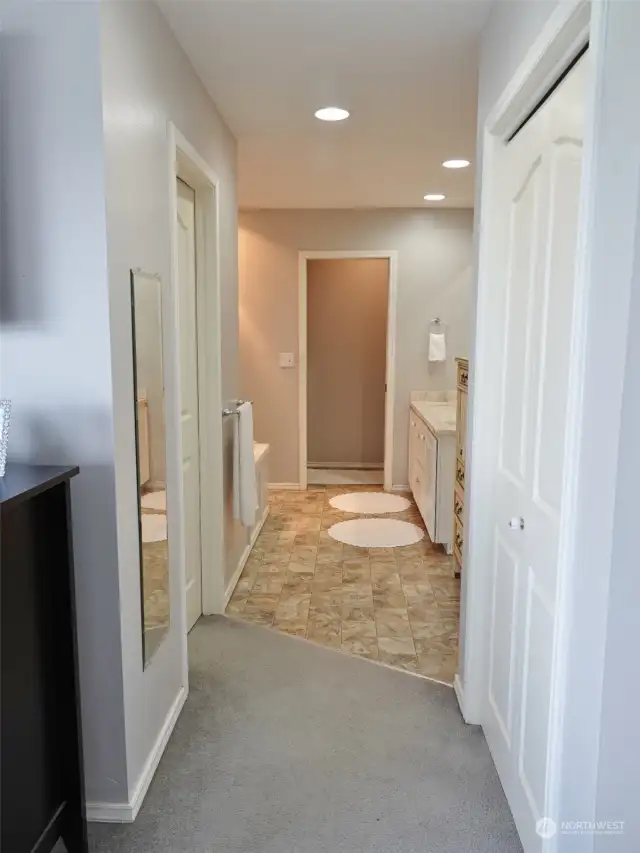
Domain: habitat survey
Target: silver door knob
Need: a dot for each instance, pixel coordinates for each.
(517, 523)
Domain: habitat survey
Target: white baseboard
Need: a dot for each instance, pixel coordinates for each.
(349, 466)
(245, 556)
(400, 488)
(292, 486)
(459, 691)
(127, 812)
(258, 527)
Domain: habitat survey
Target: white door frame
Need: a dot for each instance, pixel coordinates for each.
(185, 163)
(566, 32)
(303, 257)
(606, 255)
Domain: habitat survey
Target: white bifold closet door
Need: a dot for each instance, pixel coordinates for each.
(538, 179)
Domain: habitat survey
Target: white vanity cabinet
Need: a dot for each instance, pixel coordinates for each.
(432, 451)
(423, 463)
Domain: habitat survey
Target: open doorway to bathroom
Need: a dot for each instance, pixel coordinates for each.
(349, 567)
(196, 428)
(347, 307)
(346, 334)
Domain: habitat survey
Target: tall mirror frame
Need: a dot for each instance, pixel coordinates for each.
(151, 458)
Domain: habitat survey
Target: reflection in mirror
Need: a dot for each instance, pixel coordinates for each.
(148, 377)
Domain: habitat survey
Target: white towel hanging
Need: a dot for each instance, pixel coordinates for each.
(437, 346)
(245, 492)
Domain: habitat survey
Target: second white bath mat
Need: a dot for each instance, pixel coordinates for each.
(369, 503)
(376, 533)
(155, 500)
(154, 527)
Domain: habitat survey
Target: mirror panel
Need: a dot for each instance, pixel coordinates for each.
(148, 383)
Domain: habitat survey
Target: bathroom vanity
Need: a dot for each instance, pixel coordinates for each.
(432, 459)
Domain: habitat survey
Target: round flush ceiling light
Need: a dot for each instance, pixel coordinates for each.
(456, 164)
(434, 197)
(332, 114)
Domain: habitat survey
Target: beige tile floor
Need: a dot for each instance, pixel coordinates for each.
(399, 606)
(155, 589)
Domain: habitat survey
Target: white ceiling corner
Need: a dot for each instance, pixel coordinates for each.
(406, 70)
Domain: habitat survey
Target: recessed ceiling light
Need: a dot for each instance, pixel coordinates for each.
(434, 197)
(456, 164)
(332, 114)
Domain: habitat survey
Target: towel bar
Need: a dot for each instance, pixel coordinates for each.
(228, 412)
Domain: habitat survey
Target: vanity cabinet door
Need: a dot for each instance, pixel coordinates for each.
(415, 468)
(430, 456)
(414, 441)
(423, 467)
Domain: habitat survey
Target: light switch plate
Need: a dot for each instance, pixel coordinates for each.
(286, 359)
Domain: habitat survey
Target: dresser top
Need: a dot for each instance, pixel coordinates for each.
(22, 482)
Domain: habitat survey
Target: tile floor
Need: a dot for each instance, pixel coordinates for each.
(155, 581)
(399, 606)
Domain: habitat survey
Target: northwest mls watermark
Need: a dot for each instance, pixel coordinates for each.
(547, 827)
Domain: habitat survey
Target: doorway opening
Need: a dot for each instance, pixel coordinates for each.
(189, 397)
(197, 362)
(347, 303)
(347, 306)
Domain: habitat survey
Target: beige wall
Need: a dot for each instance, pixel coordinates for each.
(434, 270)
(347, 306)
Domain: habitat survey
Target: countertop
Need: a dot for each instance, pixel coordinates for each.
(439, 417)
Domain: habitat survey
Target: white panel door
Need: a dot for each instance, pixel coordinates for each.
(188, 340)
(539, 185)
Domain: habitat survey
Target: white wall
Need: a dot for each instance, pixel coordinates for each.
(55, 357)
(598, 774)
(88, 89)
(509, 32)
(605, 561)
(147, 81)
(434, 266)
(619, 748)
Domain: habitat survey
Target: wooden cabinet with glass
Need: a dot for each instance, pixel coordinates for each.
(461, 440)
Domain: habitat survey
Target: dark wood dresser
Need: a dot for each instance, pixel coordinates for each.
(42, 786)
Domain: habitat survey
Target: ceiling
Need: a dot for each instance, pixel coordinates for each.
(406, 70)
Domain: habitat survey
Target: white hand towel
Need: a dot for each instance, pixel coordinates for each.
(245, 493)
(437, 347)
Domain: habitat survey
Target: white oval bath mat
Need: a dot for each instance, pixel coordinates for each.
(369, 503)
(154, 527)
(376, 533)
(155, 500)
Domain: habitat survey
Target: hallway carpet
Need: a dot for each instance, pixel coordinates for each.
(286, 747)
